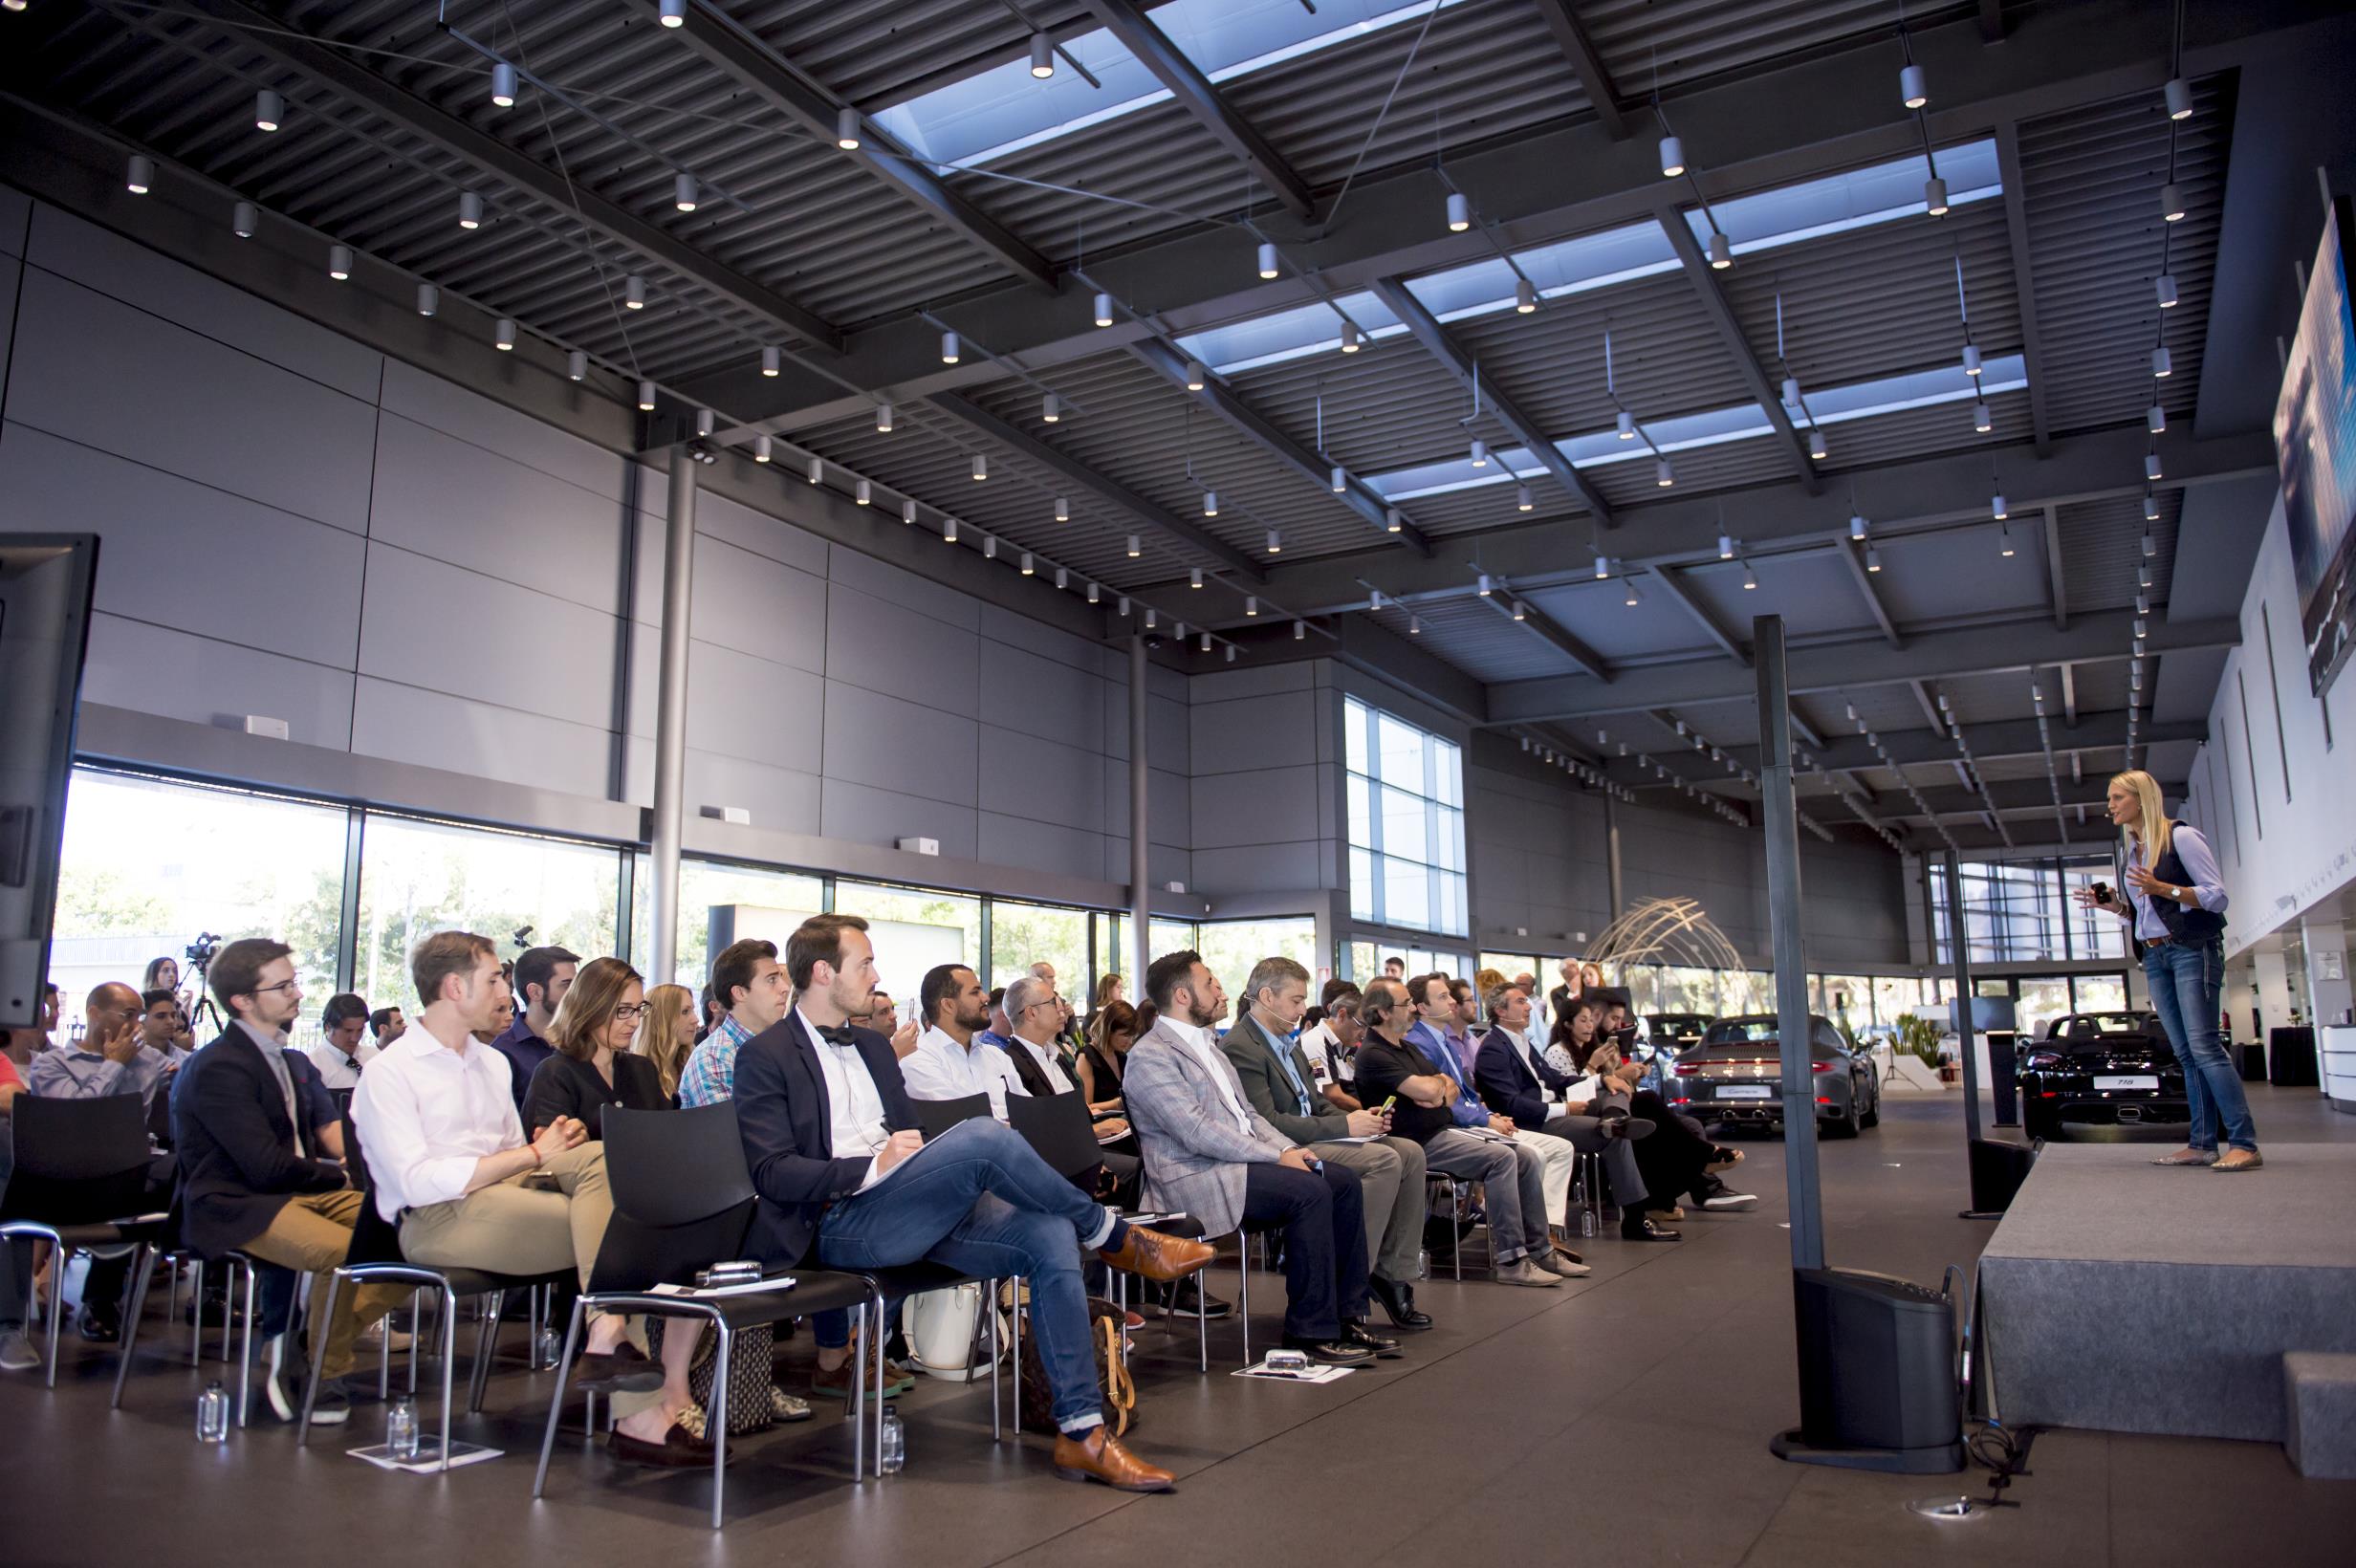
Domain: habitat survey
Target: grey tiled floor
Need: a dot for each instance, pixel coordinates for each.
(1623, 1418)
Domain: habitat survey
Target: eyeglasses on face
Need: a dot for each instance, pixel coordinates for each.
(623, 1012)
(283, 988)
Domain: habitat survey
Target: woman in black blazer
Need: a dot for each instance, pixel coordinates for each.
(594, 1066)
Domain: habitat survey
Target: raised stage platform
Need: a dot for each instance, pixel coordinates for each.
(2124, 1296)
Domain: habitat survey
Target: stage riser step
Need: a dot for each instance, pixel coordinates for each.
(2318, 1393)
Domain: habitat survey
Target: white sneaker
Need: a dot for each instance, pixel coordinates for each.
(1522, 1271)
(16, 1352)
(1730, 1200)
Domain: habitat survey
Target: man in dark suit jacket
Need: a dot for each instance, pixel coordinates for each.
(246, 1123)
(847, 1181)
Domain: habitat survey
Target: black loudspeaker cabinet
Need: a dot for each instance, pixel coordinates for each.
(1876, 1375)
(1997, 1170)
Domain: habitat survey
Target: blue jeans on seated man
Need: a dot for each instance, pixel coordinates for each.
(2186, 982)
(979, 1200)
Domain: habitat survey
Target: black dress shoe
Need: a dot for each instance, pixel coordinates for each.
(1330, 1352)
(1355, 1332)
(97, 1327)
(1180, 1301)
(1399, 1304)
(1637, 1227)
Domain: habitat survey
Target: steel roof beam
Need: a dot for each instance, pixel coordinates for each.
(1721, 315)
(1543, 626)
(1138, 35)
(1153, 515)
(1669, 580)
(1255, 428)
(1852, 556)
(1579, 48)
(1427, 330)
(716, 39)
(2004, 740)
(2017, 235)
(2056, 592)
(268, 33)
(1930, 704)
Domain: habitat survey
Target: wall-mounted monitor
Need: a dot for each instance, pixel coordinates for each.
(45, 587)
(2315, 443)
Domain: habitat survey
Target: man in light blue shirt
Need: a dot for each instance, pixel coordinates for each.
(122, 1063)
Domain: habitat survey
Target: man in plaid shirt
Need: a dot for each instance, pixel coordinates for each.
(750, 983)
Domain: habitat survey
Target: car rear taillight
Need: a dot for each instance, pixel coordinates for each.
(1823, 1067)
(1685, 1069)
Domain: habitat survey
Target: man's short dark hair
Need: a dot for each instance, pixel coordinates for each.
(237, 968)
(341, 1008)
(1395, 959)
(940, 983)
(997, 997)
(148, 999)
(733, 971)
(1332, 989)
(377, 1019)
(537, 967)
(1166, 973)
(1419, 989)
(816, 941)
(442, 955)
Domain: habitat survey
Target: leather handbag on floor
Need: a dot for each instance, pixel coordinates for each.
(751, 1371)
(1112, 1373)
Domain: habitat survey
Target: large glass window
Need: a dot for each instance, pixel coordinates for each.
(148, 864)
(1024, 934)
(1230, 948)
(2092, 933)
(707, 886)
(1405, 789)
(913, 929)
(421, 876)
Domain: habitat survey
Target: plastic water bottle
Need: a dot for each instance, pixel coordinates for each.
(547, 1349)
(1587, 1220)
(213, 1414)
(892, 1448)
(1423, 1264)
(401, 1430)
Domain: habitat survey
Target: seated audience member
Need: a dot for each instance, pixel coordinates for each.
(594, 1066)
(542, 977)
(453, 1168)
(1395, 968)
(712, 1011)
(1037, 1012)
(385, 1025)
(17, 1348)
(501, 1018)
(164, 1025)
(748, 985)
(1431, 1107)
(1110, 1035)
(1455, 1027)
(847, 1182)
(1528, 983)
(1279, 1080)
(1676, 1158)
(1211, 1156)
(951, 1061)
(885, 1019)
(1109, 989)
(1517, 1082)
(255, 1174)
(668, 1035)
(1564, 995)
(1331, 1040)
(163, 975)
(1000, 1029)
(341, 1052)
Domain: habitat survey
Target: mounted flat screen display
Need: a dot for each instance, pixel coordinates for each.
(2315, 441)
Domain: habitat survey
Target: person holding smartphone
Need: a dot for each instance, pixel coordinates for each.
(2174, 906)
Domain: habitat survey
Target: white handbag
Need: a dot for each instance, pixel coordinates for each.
(939, 1328)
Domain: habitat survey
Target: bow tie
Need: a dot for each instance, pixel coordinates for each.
(839, 1035)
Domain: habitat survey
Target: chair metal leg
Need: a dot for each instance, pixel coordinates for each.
(245, 1351)
(997, 1354)
(1015, 1285)
(856, 1390)
(417, 1333)
(717, 1426)
(1202, 1323)
(485, 1341)
(1243, 1302)
(318, 1360)
(555, 1400)
(229, 1305)
(196, 1313)
(448, 1313)
(56, 1307)
(881, 1333)
(130, 1321)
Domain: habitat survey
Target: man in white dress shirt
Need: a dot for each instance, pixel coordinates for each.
(341, 1052)
(950, 1060)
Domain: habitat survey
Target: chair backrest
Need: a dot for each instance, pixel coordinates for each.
(1059, 1129)
(78, 1161)
(937, 1116)
(375, 1239)
(683, 1197)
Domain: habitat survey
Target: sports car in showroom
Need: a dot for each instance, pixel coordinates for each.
(2103, 1069)
(1735, 1076)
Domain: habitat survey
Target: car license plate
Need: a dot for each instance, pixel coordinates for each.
(2125, 1080)
(1745, 1091)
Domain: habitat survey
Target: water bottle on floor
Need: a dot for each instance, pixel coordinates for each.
(401, 1439)
(892, 1449)
(1423, 1264)
(213, 1414)
(548, 1349)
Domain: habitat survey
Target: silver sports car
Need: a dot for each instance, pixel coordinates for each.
(1735, 1074)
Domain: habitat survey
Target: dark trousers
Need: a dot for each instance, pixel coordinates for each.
(1323, 1217)
(1676, 1160)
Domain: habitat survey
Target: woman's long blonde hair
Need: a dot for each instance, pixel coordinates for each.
(662, 1039)
(2151, 819)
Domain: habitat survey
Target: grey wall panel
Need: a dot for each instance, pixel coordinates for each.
(439, 731)
(482, 421)
(882, 645)
(1261, 868)
(756, 604)
(103, 260)
(1166, 741)
(769, 537)
(447, 629)
(1040, 846)
(644, 531)
(11, 270)
(742, 707)
(181, 553)
(438, 495)
(885, 743)
(1033, 695)
(865, 815)
(1041, 639)
(1251, 681)
(905, 589)
(156, 669)
(96, 371)
(783, 798)
(1164, 864)
(1042, 782)
(1250, 732)
(1264, 806)
(646, 675)
(16, 218)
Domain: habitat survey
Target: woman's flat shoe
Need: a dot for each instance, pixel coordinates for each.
(2186, 1157)
(679, 1449)
(2239, 1160)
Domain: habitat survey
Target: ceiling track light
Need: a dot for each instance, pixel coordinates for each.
(2151, 546)
(1250, 605)
(1520, 611)
(1352, 340)
(1721, 251)
(1856, 525)
(1300, 631)
(2155, 419)
(2164, 287)
(1210, 503)
(1094, 593)
(645, 397)
(908, 512)
(1027, 570)
(862, 493)
(1487, 584)
(1459, 213)
(1195, 576)
(990, 547)
(576, 366)
(1393, 520)
(1672, 156)
(1663, 475)
(1268, 267)
(1042, 56)
(1982, 419)
(2179, 95)
(1523, 501)
(883, 419)
(2151, 466)
(2171, 202)
(1525, 297)
(2163, 364)
(470, 211)
(1205, 644)
(1603, 568)
(2151, 509)
(339, 262)
(1934, 197)
(1340, 480)
(674, 13)
(1275, 542)
(1152, 617)
(1480, 453)
(1103, 315)
(2004, 540)
(1063, 508)
(1133, 551)
(1634, 598)
(1051, 410)
(429, 299)
(1816, 443)
(1726, 547)
(1791, 391)
(981, 466)
(1626, 425)
(948, 530)
(1196, 376)
(846, 128)
(705, 422)
(634, 292)
(1972, 366)
(1873, 558)
(770, 357)
(1415, 625)
(815, 471)
(950, 348)
(1913, 86)
(1997, 508)
(684, 192)
(244, 219)
(503, 84)
(1121, 605)
(268, 110)
(1749, 578)
(761, 445)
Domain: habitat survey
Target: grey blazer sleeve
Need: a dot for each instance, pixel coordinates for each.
(1161, 1097)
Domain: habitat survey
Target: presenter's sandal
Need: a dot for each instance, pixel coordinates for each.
(1158, 1258)
(2239, 1159)
(1098, 1455)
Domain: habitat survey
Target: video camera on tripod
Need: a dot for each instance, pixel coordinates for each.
(200, 952)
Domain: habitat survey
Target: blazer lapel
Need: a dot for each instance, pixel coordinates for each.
(807, 1054)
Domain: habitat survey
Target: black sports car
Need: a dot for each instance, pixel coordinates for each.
(1735, 1074)
(2110, 1069)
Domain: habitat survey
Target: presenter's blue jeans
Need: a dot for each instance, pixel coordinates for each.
(979, 1200)
(2187, 981)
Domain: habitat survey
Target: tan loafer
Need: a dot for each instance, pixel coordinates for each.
(2239, 1159)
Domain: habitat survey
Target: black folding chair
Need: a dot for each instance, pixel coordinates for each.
(375, 1257)
(936, 1117)
(1059, 1130)
(168, 1248)
(80, 1182)
(682, 1200)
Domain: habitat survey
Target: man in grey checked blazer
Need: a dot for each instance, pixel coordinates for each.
(1209, 1154)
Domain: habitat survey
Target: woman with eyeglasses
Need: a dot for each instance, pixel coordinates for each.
(594, 1066)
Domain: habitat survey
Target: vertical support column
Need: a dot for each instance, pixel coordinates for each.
(1779, 818)
(1141, 913)
(1959, 943)
(347, 913)
(1611, 856)
(670, 722)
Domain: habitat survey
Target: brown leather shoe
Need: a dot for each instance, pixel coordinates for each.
(1100, 1457)
(679, 1449)
(1158, 1258)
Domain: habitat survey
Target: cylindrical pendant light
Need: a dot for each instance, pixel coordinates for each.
(846, 128)
(429, 299)
(268, 110)
(1459, 213)
(244, 219)
(1268, 267)
(1672, 156)
(503, 84)
(645, 397)
(339, 262)
(576, 365)
(469, 209)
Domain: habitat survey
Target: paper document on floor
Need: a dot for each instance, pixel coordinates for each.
(1307, 1374)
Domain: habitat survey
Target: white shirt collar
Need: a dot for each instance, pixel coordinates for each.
(420, 1040)
(1194, 1035)
(263, 1037)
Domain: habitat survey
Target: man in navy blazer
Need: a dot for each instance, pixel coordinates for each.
(246, 1125)
(847, 1181)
